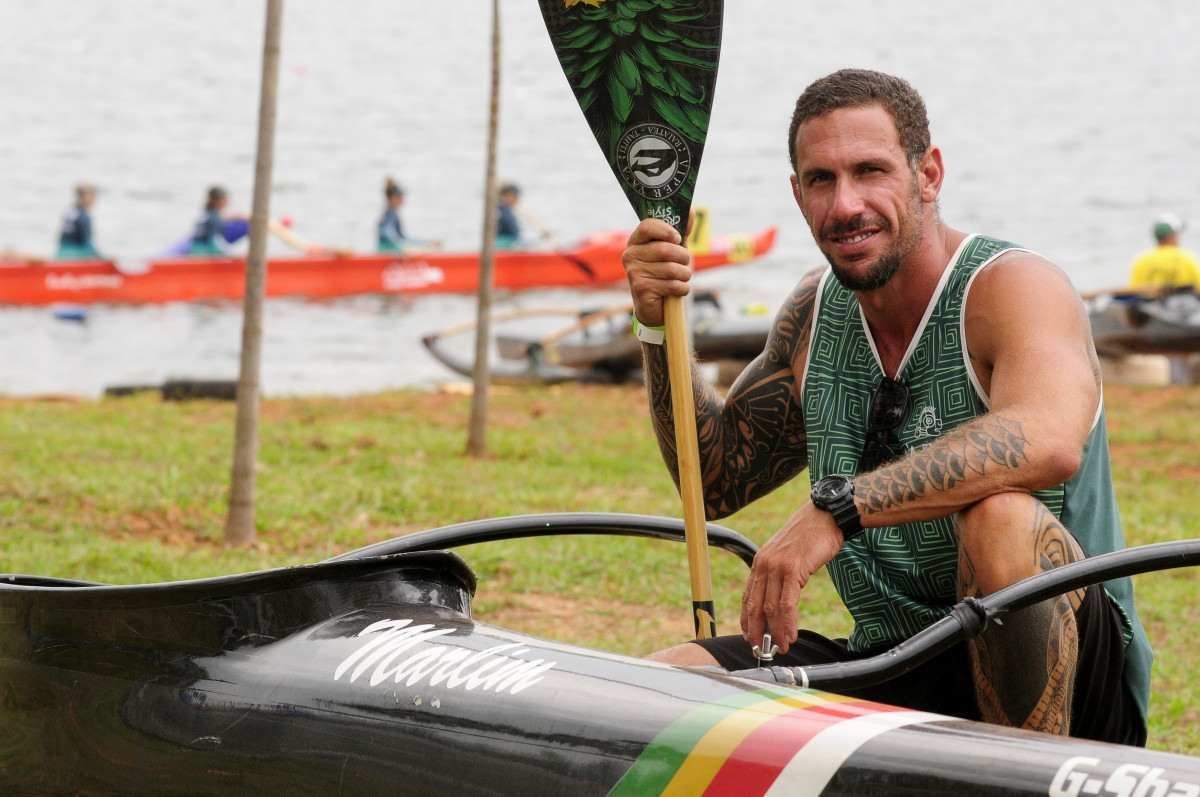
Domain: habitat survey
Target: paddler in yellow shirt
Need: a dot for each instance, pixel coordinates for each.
(1167, 265)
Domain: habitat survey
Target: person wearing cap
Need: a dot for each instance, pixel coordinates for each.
(207, 236)
(75, 236)
(1166, 265)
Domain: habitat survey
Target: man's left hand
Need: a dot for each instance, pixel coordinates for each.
(781, 569)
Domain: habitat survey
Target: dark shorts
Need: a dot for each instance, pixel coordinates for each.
(1102, 707)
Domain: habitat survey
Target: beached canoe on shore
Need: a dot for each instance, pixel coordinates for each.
(370, 674)
(1130, 322)
(596, 261)
(592, 345)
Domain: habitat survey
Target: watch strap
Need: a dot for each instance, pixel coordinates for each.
(846, 516)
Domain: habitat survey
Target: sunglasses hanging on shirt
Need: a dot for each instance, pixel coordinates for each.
(889, 406)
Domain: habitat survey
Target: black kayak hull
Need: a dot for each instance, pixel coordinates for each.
(370, 677)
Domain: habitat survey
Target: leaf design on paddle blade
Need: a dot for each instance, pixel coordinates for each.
(684, 16)
(659, 81)
(603, 42)
(579, 37)
(623, 27)
(594, 61)
(647, 59)
(673, 115)
(696, 115)
(627, 72)
(685, 90)
(678, 57)
(650, 34)
(588, 79)
(622, 102)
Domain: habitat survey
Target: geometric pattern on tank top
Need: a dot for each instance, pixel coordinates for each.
(894, 580)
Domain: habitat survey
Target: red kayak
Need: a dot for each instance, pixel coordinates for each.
(596, 261)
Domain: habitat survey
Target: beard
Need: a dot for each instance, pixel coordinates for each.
(880, 272)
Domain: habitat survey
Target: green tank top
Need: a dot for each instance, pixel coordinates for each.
(897, 580)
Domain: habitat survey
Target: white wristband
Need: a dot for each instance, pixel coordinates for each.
(653, 335)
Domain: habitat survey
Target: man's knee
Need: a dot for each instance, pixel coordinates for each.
(997, 540)
(685, 655)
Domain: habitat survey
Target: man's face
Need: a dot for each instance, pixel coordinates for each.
(861, 199)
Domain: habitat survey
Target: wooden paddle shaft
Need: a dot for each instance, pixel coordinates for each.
(683, 403)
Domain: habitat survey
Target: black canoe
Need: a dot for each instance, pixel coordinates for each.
(597, 345)
(1134, 323)
(369, 675)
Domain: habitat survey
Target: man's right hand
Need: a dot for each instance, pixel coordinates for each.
(657, 265)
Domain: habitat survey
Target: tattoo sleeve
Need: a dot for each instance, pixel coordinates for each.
(753, 440)
(981, 449)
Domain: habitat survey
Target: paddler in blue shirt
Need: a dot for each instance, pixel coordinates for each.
(207, 237)
(508, 226)
(391, 230)
(511, 221)
(75, 237)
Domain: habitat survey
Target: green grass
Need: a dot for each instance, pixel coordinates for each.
(134, 490)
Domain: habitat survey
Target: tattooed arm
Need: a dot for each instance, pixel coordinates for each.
(752, 441)
(1030, 344)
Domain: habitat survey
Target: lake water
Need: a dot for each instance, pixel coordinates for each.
(1065, 126)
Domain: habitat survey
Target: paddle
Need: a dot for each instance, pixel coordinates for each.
(643, 72)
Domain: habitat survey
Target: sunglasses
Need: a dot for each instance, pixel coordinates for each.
(889, 405)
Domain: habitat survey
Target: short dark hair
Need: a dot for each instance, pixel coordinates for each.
(854, 88)
(215, 194)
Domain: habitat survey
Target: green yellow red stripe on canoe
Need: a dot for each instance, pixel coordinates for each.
(738, 745)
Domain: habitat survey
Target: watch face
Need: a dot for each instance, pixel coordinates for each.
(830, 489)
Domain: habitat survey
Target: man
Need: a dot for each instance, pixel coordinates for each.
(75, 236)
(943, 391)
(1167, 265)
(512, 219)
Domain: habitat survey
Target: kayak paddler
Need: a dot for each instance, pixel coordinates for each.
(391, 236)
(943, 392)
(75, 236)
(208, 236)
(512, 220)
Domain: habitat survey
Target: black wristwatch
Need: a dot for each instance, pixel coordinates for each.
(835, 494)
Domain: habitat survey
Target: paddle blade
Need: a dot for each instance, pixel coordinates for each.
(643, 72)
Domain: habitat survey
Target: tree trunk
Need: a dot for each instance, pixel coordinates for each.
(239, 524)
(477, 429)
